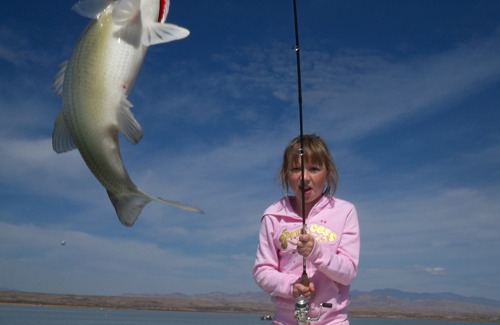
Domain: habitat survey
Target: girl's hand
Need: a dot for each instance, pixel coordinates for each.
(299, 289)
(305, 245)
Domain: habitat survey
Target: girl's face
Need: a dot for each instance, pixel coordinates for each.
(314, 180)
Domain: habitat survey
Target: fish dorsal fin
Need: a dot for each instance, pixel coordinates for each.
(91, 8)
(157, 33)
(57, 86)
(127, 124)
(62, 141)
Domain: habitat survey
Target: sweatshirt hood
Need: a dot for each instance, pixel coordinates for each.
(284, 208)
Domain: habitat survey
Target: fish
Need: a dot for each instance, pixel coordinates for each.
(94, 84)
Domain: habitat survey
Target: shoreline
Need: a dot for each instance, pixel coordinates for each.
(187, 304)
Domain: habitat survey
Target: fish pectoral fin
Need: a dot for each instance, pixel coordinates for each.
(62, 141)
(57, 86)
(127, 124)
(157, 33)
(127, 12)
(91, 8)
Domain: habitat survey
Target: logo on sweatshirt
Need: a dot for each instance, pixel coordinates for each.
(321, 233)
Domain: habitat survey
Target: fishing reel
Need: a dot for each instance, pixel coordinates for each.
(302, 311)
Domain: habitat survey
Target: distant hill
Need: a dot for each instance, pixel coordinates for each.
(433, 303)
(385, 300)
(382, 303)
(412, 297)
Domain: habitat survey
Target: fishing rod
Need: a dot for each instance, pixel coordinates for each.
(301, 311)
(304, 279)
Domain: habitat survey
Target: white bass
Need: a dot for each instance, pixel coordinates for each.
(94, 84)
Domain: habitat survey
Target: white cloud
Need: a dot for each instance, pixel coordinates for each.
(431, 270)
(89, 261)
(214, 134)
(361, 92)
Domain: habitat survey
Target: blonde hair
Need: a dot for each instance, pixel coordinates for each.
(315, 152)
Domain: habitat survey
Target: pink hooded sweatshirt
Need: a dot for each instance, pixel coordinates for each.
(331, 266)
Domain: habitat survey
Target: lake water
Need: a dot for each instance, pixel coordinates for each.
(38, 315)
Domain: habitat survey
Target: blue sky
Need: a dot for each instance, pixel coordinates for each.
(405, 94)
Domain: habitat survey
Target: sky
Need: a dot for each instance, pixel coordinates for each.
(406, 95)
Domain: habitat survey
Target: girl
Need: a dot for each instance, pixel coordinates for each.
(331, 242)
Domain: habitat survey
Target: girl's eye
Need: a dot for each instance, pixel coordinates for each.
(295, 170)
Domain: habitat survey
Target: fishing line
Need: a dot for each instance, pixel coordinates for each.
(304, 278)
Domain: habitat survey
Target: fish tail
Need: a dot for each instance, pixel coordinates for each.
(177, 204)
(129, 206)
